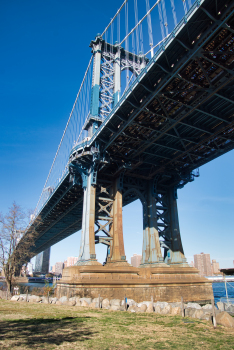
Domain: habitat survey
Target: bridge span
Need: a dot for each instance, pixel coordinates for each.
(176, 116)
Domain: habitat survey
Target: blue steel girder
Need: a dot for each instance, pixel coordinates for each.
(121, 124)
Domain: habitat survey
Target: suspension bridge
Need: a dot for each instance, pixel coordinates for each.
(149, 112)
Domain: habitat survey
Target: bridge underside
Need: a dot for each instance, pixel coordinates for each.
(177, 116)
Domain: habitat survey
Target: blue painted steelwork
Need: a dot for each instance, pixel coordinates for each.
(177, 116)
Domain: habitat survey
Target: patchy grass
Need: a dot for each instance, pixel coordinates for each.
(42, 326)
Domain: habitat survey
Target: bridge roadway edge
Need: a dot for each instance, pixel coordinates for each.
(114, 281)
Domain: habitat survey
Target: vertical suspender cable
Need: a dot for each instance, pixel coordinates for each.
(165, 16)
(150, 33)
(174, 12)
(141, 39)
(126, 44)
(185, 6)
(118, 28)
(136, 21)
(189, 3)
(161, 20)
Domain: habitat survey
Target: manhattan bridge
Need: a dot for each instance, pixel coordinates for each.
(149, 112)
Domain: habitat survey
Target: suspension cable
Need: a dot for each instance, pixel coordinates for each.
(115, 16)
(157, 2)
(64, 132)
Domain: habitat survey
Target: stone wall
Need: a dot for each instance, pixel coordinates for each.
(163, 284)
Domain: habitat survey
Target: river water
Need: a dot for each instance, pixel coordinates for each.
(218, 288)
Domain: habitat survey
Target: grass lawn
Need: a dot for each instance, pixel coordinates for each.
(43, 326)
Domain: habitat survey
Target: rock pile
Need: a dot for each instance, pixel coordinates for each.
(193, 310)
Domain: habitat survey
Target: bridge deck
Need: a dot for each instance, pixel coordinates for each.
(177, 115)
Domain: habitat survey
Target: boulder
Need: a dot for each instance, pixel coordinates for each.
(116, 302)
(54, 300)
(84, 303)
(194, 306)
(88, 300)
(166, 310)
(78, 302)
(220, 305)
(115, 307)
(189, 312)
(176, 310)
(157, 309)
(63, 299)
(96, 300)
(45, 300)
(176, 304)
(207, 307)
(147, 303)
(161, 304)
(94, 305)
(72, 299)
(71, 303)
(229, 308)
(105, 304)
(129, 302)
(21, 299)
(132, 308)
(198, 314)
(224, 319)
(58, 302)
(143, 308)
(150, 308)
(34, 299)
(15, 298)
(206, 315)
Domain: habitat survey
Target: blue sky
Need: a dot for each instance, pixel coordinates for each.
(44, 54)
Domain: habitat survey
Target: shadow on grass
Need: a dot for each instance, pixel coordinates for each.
(44, 331)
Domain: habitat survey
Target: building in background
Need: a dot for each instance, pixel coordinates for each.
(29, 269)
(59, 266)
(43, 262)
(215, 267)
(65, 263)
(71, 260)
(203, 264)
(136, 260)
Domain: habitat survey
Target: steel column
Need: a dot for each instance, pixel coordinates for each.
(87, 247)
(118, 252)
(175, 255)
(151, 251)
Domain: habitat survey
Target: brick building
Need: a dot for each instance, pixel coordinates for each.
(203, 264)
(136, 260)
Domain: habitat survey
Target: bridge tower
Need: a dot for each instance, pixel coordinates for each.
(101, 202)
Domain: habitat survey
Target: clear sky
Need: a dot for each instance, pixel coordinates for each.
(44, 54)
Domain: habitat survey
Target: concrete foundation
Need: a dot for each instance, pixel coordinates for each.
(114, 281)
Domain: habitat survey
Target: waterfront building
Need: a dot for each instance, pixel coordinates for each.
(203, 264)
(136, 260)
(29, 269)
(71, 260)
(43, 262)
(59, 268)
(215, 267)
